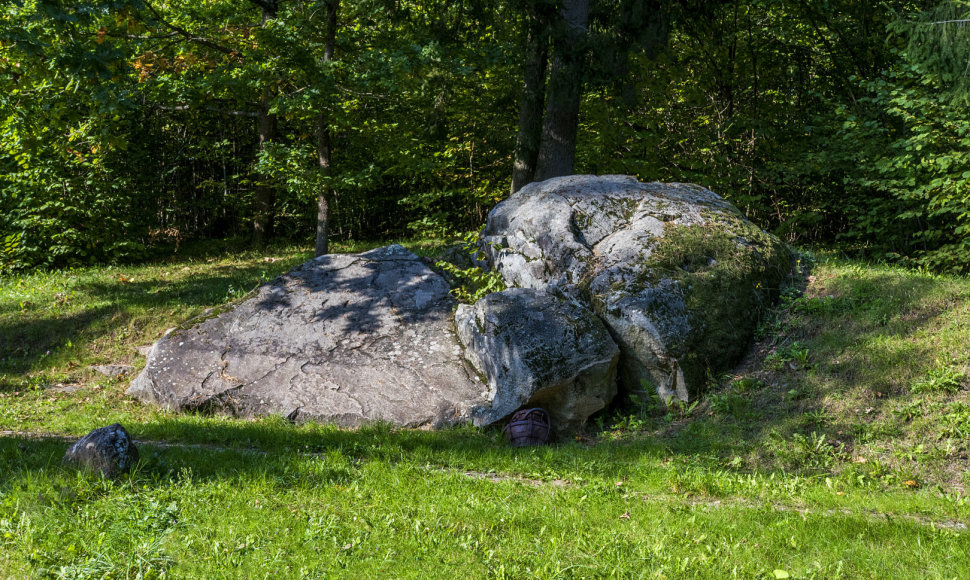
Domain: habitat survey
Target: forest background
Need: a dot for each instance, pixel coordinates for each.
(130, 127)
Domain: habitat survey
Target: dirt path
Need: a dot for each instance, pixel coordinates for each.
(43, 436)
(494, 477)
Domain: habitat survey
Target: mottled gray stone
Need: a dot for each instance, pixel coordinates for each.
(651, 327)
(343, 338)
(62, 388)
(108, 450)
(113, 371)
(560, 231)
(675, 272)
(538, 350)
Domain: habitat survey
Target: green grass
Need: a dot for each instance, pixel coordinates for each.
(402, 504)
(836, 449)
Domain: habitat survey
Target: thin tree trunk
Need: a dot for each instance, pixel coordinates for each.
(265, 194)
(532, 101)
(324, 149)
(323, 200)
(557, 153)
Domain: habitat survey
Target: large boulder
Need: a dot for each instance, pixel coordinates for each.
(538, 350)
(344, 339)
(676, 273)
(107, 450)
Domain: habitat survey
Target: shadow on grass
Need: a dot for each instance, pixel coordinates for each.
(27, 337)
(25, 342)
(838, 317)
(864, 341)
(235, 449)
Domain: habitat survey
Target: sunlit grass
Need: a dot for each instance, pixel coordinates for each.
(836, 450)
(384, 502)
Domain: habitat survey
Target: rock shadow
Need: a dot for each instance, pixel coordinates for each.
(361, 292)
(26, 338)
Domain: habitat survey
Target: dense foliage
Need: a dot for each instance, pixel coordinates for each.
(132, 125)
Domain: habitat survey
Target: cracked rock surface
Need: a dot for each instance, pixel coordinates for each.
(539, 350)
(677, 273)
(344, 339)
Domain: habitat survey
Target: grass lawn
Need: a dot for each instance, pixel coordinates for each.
(836, 449)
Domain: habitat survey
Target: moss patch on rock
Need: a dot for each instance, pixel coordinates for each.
(730, 272)
(678, 274)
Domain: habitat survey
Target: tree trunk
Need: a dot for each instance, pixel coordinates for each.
(265, 194)
(531, 101)
(323, 200)
(323, 142)
(557, 153)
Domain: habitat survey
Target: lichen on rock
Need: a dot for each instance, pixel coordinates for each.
(676, 273)
(538, 350)
(345, 339)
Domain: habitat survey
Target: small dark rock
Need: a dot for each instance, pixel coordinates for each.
(108, 450)
(528, 428)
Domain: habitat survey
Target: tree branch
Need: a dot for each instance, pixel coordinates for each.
(178, 108)
(188, 35)
(145, 36)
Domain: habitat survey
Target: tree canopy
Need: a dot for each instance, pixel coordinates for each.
(131, 126)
